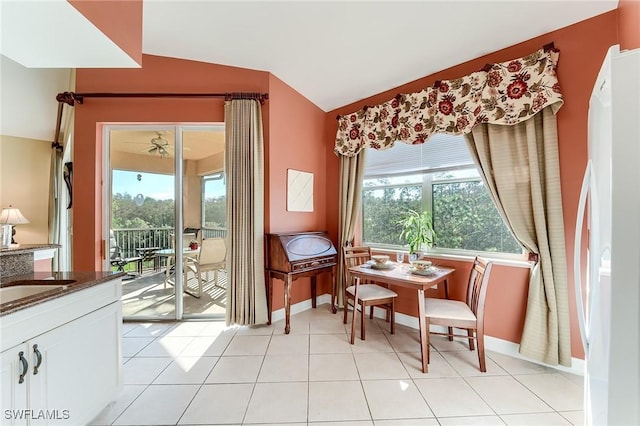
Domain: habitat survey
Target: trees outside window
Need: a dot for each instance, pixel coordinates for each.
(214, 201)
(440, 178)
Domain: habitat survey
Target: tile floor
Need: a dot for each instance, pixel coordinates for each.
(202, 373)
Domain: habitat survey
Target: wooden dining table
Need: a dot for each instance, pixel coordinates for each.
(402, 276)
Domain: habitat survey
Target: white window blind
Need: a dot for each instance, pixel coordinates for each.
(439, 152)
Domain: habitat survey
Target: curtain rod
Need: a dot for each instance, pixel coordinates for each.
(71, 98)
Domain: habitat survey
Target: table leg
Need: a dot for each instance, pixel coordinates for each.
(167, 271)
(287, 304)
(423, 331)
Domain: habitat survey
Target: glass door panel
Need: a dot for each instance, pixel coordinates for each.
(142, 218)
(204, 213)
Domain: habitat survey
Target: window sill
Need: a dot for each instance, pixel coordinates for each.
(463, 258)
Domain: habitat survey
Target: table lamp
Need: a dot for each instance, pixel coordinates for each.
(12, 216)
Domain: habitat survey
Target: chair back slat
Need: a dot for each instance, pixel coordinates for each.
(354, 256)
(477, 290)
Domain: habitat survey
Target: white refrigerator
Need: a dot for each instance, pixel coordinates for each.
(608, 294)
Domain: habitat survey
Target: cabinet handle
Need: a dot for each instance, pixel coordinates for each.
(38, 359)
(25, 366)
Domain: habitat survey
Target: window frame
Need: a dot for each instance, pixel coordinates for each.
(426, 183)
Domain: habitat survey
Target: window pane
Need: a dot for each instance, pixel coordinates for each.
(141, 200)
(215, 204)
(383, 208)
(464, 217)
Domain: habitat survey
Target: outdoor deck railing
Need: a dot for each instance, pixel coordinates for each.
(130, 239)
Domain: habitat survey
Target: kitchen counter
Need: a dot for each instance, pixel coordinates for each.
(27, 248)
(82, 280)
(61, 348)
(22, 259)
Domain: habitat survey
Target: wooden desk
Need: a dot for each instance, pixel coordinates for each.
(287, 279)
(401, 276)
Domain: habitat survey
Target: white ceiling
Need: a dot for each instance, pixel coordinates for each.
(333, 53)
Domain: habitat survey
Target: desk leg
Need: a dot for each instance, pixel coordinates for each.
(334, 290)
(313, 291)
(423, 331)
(269, 296)
(287, 304)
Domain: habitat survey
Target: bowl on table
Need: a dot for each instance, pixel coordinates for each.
(421, 265)
(380, 259)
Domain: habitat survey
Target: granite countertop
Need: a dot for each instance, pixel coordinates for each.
(26, 248)
(82, 280)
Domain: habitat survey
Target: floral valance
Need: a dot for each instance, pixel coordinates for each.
(504, 93)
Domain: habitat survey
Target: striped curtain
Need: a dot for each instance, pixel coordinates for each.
(244, 169)
(521, 170)
(351, 179)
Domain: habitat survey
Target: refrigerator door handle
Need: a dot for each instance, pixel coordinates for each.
(577, 250)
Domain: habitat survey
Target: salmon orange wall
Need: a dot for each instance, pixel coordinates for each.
(582, 49)
(629, 24)
(121, 21)
(296, 142)
(158, 74)
(293, 133)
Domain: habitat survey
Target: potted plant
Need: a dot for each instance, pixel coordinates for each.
(417, 230)
(193, 245)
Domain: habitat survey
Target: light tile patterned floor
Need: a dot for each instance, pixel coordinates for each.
(202, 373)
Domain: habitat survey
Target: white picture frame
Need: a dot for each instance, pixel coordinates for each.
(299, 191)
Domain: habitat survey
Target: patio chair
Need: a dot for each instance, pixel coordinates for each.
(116, 259)
(212, 257)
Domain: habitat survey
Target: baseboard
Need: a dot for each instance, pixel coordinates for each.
(491, 343)
(300, 307)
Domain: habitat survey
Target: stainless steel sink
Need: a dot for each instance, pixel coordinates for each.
(20, 289)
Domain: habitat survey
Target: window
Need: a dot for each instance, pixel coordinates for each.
(214, 202)
(441, 177)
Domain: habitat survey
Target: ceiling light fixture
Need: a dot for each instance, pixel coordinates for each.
(159, 146)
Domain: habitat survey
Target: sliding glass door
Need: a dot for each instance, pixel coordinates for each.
(154, 218)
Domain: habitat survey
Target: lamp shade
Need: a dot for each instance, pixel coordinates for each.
(12, 216)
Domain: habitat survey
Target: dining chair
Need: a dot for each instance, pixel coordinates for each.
(467, 315)
(212, 257)
(364, 294)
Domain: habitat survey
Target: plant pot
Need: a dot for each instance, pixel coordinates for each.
(193, 246)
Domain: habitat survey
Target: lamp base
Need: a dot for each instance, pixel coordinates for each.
(13, 234)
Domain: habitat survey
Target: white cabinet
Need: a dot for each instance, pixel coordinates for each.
(13, 388)
(72, 371)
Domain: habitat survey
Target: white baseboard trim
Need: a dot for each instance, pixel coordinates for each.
(494, 344)
(300, 307)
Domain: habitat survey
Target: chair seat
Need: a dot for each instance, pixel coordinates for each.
(449, 309)
(371, 292)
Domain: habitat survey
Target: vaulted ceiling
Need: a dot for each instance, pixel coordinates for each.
(332, 52)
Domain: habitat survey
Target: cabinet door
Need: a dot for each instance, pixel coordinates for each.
(80, 369)
(13, 394)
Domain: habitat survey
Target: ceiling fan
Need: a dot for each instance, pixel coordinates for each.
(159, 146)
